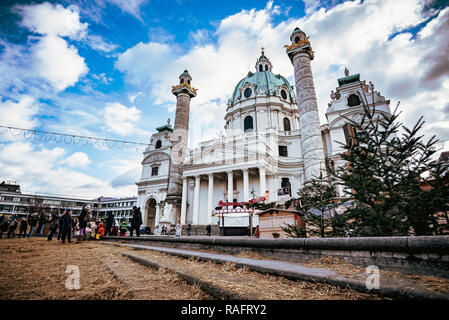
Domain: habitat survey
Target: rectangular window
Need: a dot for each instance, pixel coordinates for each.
(283, 151)
(154, 171)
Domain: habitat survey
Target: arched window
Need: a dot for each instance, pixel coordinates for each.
(158, 144)
(285, 185)
(286, 124)
(260, 67)
(353, 100)
(248, 123)
(296, 39)
(182, 80)
(283, 95)
(247, 93)
(188, 81)
(266, 67)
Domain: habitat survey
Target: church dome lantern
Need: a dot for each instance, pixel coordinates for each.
(263, 82)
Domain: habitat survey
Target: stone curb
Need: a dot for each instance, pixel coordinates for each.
(433, 244)
(297, 272)
(211, 289)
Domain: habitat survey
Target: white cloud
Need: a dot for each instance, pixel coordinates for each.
(120, 119)
(355, 34)
(130, 6)
(103, 78)
(78, 159)
(19, 114)
(39, 171)
(97, 43)
(58, 62)
(47, 19)
(133, 97)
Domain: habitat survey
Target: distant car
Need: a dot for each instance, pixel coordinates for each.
(145, 230)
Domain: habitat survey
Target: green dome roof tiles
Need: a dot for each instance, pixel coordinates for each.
(265, 80)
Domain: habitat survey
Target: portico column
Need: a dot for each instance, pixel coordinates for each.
(210, 198)
(196, 200)
(184, 200)
(245, 185)
(230, 186)
(263, 186)
(156, 219)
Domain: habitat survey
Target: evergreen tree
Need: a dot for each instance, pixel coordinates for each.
(385, 175)
(314, 204)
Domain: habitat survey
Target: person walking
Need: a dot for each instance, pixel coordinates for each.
(42, 221)
(67, 226)
(23, 227)
(136, 221)
(32, 220)
(189, 229)
(82, 220)
(208, 229)
(109, 223)
(54, 223)
(4, 226)
(60, 215)
(123, 227)
(12, 227)
(178, 229)
(2, 221)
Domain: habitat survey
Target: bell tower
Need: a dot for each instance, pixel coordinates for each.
(300, 53)
(184, 92)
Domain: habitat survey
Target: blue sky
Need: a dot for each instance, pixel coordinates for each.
(104, 68)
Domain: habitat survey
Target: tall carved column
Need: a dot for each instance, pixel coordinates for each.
(196, 200)
(184, 201)
(210, 198)
(183, 92)
(300, 54)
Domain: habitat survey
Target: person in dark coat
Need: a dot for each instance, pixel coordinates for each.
(4, 225)
(83, 219)
(67, 226)
(136, 221)
(61, 214)
(53, 225)
(32, 220)
(42, 221)
(23, 227)
(12, 228)
(189, 229)
(109, 223)
(208, 229)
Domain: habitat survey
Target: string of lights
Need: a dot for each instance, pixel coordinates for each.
(64, 138)
(105, 143)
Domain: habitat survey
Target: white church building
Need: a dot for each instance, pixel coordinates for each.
(273, 144)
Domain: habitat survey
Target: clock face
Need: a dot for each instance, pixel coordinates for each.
(247, 93)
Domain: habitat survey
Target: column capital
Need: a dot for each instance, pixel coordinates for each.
(210, 175)
(245, 170)
(196, 175)
(229, 172)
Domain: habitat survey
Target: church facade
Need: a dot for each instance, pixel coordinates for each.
(273, 145)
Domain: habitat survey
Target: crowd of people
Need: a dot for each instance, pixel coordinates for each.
(66, 226)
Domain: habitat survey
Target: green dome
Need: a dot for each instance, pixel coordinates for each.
(265, 80)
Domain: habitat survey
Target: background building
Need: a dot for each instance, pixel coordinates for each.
(13, 201)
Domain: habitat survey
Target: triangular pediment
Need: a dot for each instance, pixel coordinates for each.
(155, 156)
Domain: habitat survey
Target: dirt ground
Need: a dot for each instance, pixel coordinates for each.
(34, 268)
